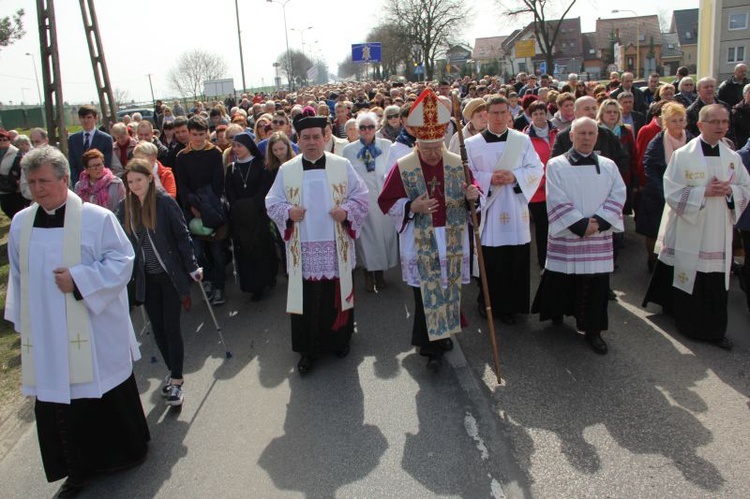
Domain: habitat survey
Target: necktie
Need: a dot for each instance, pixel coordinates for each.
(87, 141)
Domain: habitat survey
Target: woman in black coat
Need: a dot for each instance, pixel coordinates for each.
(165, 265)
(655, 161)
(247, 183)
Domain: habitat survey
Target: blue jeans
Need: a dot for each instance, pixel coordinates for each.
(210, 255)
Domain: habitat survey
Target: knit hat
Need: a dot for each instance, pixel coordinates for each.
(428, 117)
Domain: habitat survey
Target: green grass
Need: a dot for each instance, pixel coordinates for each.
(10, 341)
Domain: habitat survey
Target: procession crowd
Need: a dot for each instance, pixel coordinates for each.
(334, 182)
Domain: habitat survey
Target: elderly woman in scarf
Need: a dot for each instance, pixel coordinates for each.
(376, 246)
(98, 185)
(391, 124)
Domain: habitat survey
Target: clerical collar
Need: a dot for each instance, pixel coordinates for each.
(709, 150)
(52, 212)
(490, 136)
(318, 164)
(246, 160)
(50, 219)
(575, 158)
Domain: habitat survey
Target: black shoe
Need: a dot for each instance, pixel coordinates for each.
(507, 319)
(343, 352)
(557, 320)
(305, 365)
(724, 343)
(434, 363)
(257, 296)
(446, 344)
(597, 343)
(611, 295)
(70, 489)
(482, 311)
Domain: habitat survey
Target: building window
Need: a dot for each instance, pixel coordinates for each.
(688, 35)
(736, 54)
(738, 21)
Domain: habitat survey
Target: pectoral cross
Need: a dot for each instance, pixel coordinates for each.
(78, 340)
(683, 278)
(504, 218)
(433, 184)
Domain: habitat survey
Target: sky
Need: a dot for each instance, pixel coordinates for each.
(142, 37)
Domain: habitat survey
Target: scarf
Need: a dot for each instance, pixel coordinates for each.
(98, 192)
(542, 133)
(389, 132)
(616, 130)
(405, 138)
(671, 145)
(368, 153)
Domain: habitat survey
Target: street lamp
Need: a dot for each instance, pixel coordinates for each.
(38, 90)
(290, 74)
(239, 39)
(637, 41)
(302, 37)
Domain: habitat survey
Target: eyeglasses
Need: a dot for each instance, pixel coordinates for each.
(279, 122)
(362, 128)
(91, 166)
(717, 122)
(392, 116)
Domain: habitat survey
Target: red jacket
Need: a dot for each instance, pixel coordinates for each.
(645, 135)
(166, 177)
(543, 149)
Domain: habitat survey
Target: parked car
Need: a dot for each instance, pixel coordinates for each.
(147, 114)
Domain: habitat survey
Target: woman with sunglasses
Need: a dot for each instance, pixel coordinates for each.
(376, 246)
(391, 124)
(98, 185)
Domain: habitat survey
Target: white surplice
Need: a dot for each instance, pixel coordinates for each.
(507, 216)
(105, 269)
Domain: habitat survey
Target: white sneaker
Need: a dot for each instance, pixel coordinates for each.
(175, 395)
(164, 391)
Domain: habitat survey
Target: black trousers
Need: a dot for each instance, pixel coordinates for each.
(541, 230)
(584, 296)
(163, 307)
(313, 332)
(507, 278)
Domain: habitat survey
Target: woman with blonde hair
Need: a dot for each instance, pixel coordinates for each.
(262, 127)
(163, 175)
(655, 160)
(164, 266)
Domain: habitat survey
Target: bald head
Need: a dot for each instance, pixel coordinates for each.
(585, 107)
(583, 133)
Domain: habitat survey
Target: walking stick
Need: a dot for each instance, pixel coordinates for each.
(477, 240)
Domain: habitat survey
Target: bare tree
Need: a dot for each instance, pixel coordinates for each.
(122, 96)
(193, 68)
(430, 26)
(300, 64)
(11, 28)
(348, 69)
(545, 30)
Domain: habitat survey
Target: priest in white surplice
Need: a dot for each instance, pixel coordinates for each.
(70, 263)
(319, 204)
(585, 195)
(377, 249)
(507, 168)
(706, 189)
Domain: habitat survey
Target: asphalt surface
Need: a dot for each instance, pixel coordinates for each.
(660, 415)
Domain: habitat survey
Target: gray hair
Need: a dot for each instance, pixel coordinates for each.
(683, 81)
(119, 129)
(46, 155)
(41, 131)
(21, 139)
(624, 95)
(585, 120)
(352, 123)
(392, 110)
(371, 117)
(746, 89)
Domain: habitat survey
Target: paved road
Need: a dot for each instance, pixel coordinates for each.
(376, 424)
(659, 416)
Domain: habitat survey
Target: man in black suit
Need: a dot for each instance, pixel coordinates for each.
(88, 138)
(639, 101)
(630, 117)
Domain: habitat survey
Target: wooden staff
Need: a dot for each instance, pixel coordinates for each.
(477, 238)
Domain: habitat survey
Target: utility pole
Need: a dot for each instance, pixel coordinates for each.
(239, 39)
(99, 64)
(153, 99)
(53, 100)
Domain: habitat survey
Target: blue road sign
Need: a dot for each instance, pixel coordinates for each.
(543, 67)
(366, 52)
(418, 70)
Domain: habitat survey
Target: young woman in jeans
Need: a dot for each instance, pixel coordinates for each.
(164, 266)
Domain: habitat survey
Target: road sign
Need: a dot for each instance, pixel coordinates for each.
(366, 52)
(419, 69)
(525, 48)
(543, 67)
